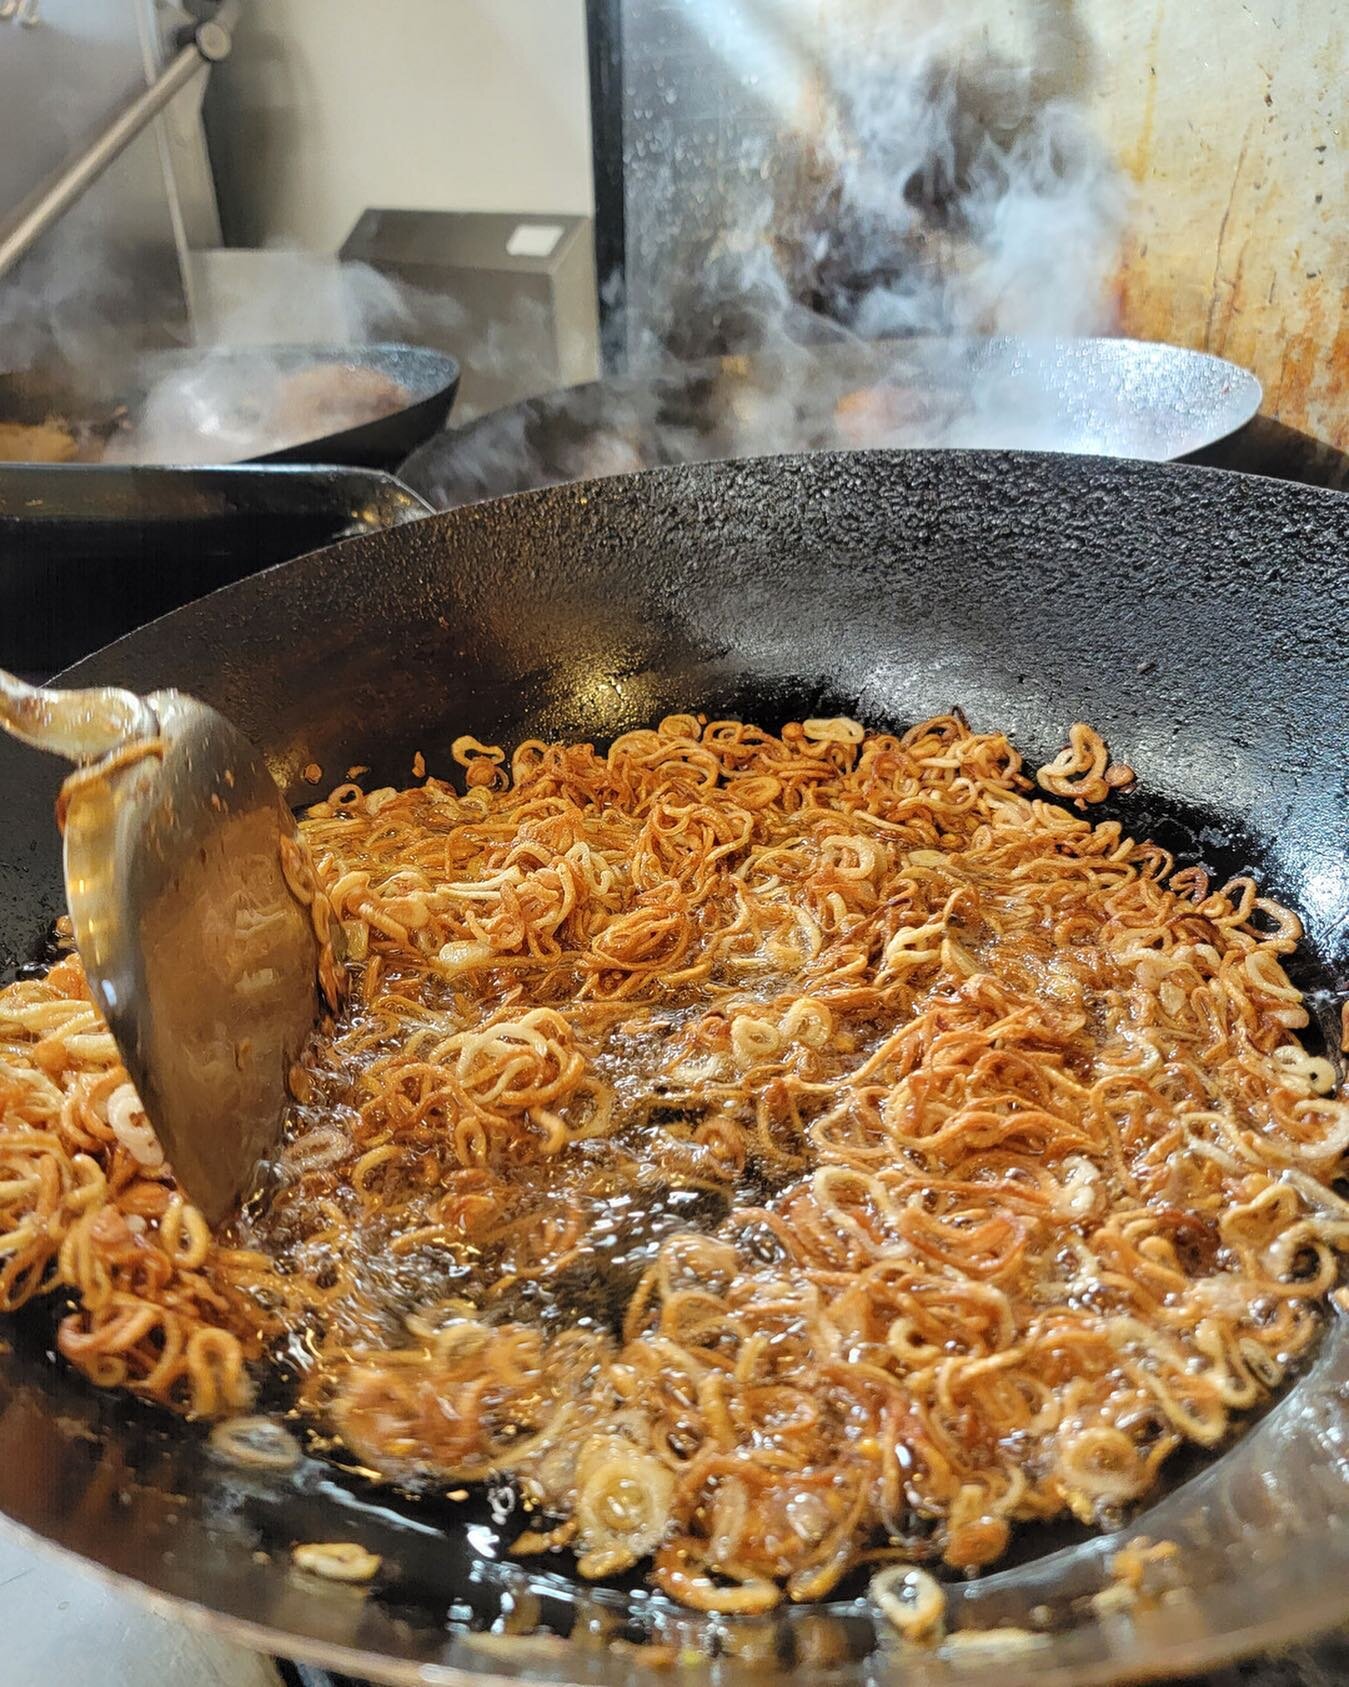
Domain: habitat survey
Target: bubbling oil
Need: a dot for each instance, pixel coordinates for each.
(622, 1195)
(763, 1152)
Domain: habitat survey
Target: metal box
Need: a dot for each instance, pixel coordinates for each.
(511, 295)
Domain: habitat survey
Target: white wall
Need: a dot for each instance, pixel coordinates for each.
(328, 106)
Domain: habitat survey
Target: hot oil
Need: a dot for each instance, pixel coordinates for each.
(56, 943)
(587, 1224)
(627, 1193)
(630, 1190)
(623, 1195)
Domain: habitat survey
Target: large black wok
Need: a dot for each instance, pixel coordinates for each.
(1194, 617)
(88, 553)
(368, 406)
(1121, 398)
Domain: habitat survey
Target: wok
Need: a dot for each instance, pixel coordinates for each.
(1188, 614)
(1109, 397)
(227, 404)
(88, 553)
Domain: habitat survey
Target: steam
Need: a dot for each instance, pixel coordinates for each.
(75, 310)
(887, 209)
(872, 179)
(218, 410)
(77, 298)
(886, 202)
(282, 296)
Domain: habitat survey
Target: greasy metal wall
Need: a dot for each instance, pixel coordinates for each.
(1226, 119)
(1230, 119)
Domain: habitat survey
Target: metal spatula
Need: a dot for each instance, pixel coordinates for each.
(192, 908)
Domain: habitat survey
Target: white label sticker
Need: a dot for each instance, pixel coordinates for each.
(534, 240)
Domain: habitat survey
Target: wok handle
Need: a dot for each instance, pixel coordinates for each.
(79, 725)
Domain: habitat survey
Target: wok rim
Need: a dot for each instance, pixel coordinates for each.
(1186, 1657)
(430, 397)
(541, 407)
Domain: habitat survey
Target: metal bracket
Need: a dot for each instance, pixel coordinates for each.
(207, 43)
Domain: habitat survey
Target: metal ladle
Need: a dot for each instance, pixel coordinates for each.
(192, 908)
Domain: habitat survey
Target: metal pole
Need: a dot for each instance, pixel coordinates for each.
(51, 199)
(604, 38)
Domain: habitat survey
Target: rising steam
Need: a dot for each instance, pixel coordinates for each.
(873, 181)
(871, 186)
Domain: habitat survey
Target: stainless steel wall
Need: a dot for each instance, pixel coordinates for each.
(1223, 122)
